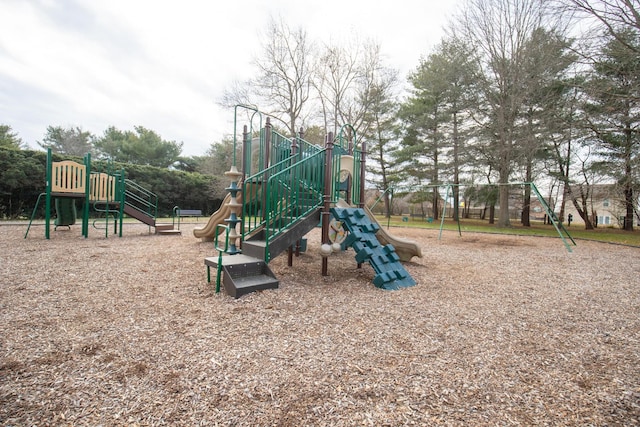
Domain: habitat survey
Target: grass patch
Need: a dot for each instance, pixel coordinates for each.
(603, 234)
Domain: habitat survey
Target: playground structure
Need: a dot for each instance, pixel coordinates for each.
(283, 190)
(110, 194)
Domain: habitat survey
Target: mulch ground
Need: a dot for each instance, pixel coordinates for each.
(499, 330)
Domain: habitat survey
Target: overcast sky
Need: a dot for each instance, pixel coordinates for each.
(164, 65)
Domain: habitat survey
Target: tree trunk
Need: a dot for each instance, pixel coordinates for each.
(583, 210)
(503, 191)
(387, 205)
(628, 178)
(456, 169)
(526, 202)
(435, 202)
(628, 200)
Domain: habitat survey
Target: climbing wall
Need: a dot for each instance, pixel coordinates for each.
(390, 273)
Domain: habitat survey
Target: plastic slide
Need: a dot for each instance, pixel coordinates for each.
(208, 232)
(405, 248)
(65, 212)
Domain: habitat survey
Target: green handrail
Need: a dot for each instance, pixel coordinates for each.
(235, 121)
(140, 198)
(252, 204)
(291, 194)
(220, 250)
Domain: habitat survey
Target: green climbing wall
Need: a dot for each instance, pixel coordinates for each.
(391, 274)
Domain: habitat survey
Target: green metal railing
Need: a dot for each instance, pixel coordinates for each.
(293, 193)
(254, 197)
(140, 199)
(107, 195)
(221, 250)
(293, 186)
(276, 198)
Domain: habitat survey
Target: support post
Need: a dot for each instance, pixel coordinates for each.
(328, 191)
(246, 152)
(363, 160)
(294, 152)
(87, 199)
(47, 200)
(265, 166)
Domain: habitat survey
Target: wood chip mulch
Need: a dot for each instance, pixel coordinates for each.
(500, 330)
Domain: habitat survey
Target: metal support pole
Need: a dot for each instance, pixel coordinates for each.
(363, 159)
(294, 151)
(328, 191)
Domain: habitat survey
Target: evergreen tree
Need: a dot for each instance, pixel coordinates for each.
(72, 141)
(613, 113)
(9, 139)
(141, 147)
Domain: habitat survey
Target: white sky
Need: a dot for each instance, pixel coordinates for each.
(165, 64)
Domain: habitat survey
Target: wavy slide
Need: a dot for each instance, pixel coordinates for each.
(208, 232)
(405, 248)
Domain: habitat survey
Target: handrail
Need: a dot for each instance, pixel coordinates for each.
(107, 211)
(251, 206)
(220, 250)
(235, 131)
(175, 212)
(140, 199)
(291, 194)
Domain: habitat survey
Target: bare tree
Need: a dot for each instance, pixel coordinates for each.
(346, 76)
(616, 16)
(282, 87)
(336, 73)
(500, 30)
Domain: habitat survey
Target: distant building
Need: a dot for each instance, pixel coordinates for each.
(605, 207)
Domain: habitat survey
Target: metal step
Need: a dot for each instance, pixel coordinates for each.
(256, 247)
(171, 232)
(248, 284)
(244, 274)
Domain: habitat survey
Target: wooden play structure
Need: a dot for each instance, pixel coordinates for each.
(109, 194)
(284, 189)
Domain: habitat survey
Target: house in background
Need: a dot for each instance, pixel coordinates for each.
(604, 207)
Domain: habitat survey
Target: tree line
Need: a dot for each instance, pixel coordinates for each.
(22, 179)
(516, 91)
(155, 164)
(513, 93)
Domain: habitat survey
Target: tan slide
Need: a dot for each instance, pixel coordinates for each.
(405, 248)
(208, 232)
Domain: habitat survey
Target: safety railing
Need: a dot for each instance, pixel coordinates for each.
(220, 229)
(356, 186)
(292, 194)
(140, 199)
(254, 197)
(288, 188)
